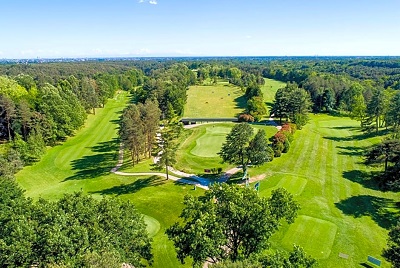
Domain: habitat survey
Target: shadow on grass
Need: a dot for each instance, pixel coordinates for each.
(366, 179)
(92, 166)
(352, 150)
(236, 178)
(358, 137)
(385, 212)
(132, 187)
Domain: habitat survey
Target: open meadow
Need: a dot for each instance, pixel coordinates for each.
(220, 100)
(342, 209)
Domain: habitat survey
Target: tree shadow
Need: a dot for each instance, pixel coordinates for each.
(92, 166)
(132, 187)
(351, 150)
(240, 102)
(358, 137)
(366, 179)
(344, 127)
(385, 212)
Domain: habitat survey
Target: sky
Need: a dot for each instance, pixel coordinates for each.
(153, 28)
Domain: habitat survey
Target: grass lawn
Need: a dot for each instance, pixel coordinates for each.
(220, 100)
(198, 149)
(269, 89)
(342, 209)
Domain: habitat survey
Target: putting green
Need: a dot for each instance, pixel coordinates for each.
(316, 236)
(152, 225)
(209, 144)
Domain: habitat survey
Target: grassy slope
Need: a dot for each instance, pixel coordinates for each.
(341, 206)
(221, 100)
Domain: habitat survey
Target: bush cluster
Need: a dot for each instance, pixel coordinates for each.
(282, 139)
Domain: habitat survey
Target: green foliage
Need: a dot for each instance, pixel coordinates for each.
(256, 108)
(392, 252)
(69, 231)
(167, 144)
(292, 103)
(239, 149)
(295, 259)
(11, 89)
(229, 222)
(10, 163)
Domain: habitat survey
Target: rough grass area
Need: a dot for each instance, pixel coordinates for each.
(220, 100)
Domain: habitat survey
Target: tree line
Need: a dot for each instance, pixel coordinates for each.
(34, 115)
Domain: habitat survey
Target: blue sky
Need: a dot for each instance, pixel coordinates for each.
(109, 28)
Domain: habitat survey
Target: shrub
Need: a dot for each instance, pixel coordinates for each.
(286, 146)
(246, 118)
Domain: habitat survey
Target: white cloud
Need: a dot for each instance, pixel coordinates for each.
(152, 2)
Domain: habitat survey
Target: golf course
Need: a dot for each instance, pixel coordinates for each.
(343, 212)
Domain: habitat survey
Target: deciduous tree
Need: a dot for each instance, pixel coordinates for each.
(229, 222)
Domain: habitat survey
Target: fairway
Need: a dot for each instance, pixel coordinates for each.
(152, 225)
(293, 184)
(317, 239)
(221, 100)
(269, 90)
(339, 193)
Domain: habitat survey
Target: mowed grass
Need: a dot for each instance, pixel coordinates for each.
(269, 90)
(209, 144)
(88, 155)
(317, 236)
(342, 208)
(200, 145)
(220, 100)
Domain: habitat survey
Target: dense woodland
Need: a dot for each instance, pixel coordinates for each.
(41, 104)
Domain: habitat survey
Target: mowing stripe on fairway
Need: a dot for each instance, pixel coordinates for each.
(316, 236)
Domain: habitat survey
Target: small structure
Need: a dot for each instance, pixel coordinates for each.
(374, 261)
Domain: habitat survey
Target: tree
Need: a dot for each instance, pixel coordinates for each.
(69, 232)
(295, 259)
(256, 107)
(240, 149)
(165, 150)
(229, 222)
(132, 132)
(7, 109)
(377, 107)
(385, 152)
(392, 253)
(150, 115)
